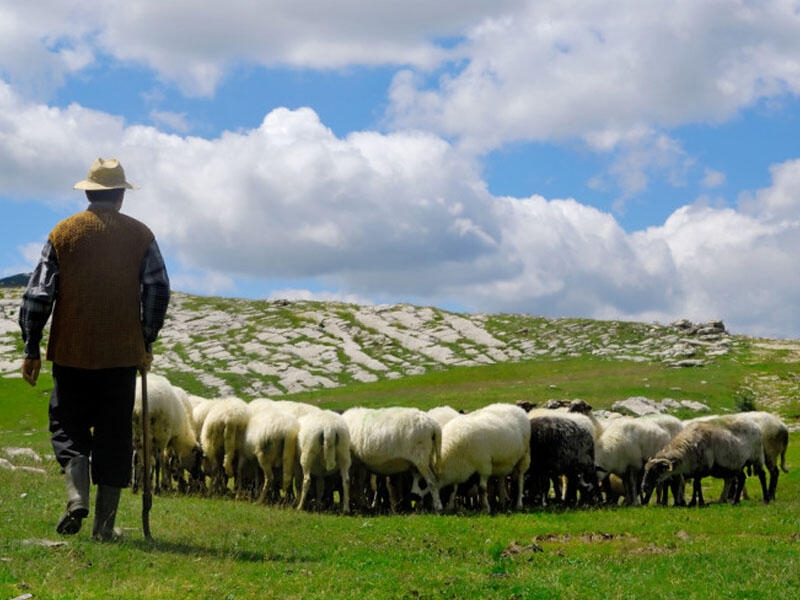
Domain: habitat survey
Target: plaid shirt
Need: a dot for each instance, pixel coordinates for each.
(42, 291)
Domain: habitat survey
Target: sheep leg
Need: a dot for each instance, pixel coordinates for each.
(289, 451)
(628, 487)
(213, 466)
(611, 498)
(374, 486)
(522, 467)
(589, 487)
(571, 490)
(305, 489)
(227, 464)
(437, 499)
(677, 484)
(502, 491)
(539, 488)
(631, 492)
(558, 489)
(395, 492)
(451, 502)
(433, 483)
(738, 484)
(266, 470)
(171, 471)
(647, 493)
(637, 485)
(662, 494)
(664, 489)
(725, 495)
(345, 499)
(731, 491)
(220, 481)
(773, 481)
(762, 478)
(483, 490)
(520, 488)
(360, 485)
(238, 488)
(319, 490)
(697, 493)
(297, 480)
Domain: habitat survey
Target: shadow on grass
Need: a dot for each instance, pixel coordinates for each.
(194, 550)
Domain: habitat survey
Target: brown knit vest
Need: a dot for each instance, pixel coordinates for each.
(97, 314)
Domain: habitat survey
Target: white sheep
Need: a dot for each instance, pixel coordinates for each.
(491, 441)
(221, 439)
(775, 437)
(673, 426)
(298, 409)
(173, 441)
(323, 448)
(270, 440)
(200, 409)
(442, 414)
(389, 441)
(623, 449)
(702, 448)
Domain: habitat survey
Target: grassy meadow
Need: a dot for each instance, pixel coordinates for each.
(215, 548)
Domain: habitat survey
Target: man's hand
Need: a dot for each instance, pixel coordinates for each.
(30, 369)
(148, 361)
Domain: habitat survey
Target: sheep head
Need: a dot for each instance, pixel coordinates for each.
(580, 406)
(656, 471)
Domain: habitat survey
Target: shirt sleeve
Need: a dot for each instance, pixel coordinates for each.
(155, 294)
(37, 301)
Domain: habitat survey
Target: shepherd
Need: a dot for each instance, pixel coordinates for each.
(102, 276)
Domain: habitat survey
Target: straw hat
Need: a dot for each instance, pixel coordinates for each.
(104, 174)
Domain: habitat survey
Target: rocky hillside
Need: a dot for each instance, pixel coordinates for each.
(271, 348)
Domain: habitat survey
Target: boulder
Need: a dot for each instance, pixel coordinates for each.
(695, 406)
(637, 406)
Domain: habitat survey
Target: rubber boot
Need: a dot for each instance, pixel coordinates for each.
(76, 474)
(105, 512)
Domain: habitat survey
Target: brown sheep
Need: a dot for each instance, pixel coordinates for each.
(709, 448)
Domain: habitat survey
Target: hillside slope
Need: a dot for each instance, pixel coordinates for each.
(271, 348)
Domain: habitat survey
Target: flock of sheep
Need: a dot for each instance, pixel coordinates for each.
(501, 456)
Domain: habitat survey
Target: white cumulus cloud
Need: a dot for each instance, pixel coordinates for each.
(406, 213)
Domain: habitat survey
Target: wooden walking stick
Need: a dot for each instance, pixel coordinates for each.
(147, 494)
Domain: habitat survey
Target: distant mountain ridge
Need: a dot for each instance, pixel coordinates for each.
(18, 280)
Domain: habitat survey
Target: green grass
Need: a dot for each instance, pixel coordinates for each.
(599, 381)
(214, 548)
(211, 548)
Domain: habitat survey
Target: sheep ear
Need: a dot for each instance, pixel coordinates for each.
(669, 466)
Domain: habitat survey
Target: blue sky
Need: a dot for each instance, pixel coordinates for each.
(613, 159)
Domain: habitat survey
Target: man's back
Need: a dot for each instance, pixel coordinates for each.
(96, 319)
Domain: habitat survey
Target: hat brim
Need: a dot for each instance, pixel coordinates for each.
(93, 185)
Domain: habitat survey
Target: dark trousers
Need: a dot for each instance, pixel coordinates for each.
(91, 414)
